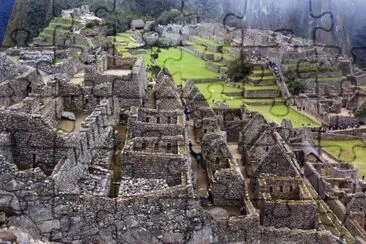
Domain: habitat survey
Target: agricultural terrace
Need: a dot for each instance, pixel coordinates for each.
(351, 151)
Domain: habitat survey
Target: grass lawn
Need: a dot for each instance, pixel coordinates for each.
(279, 112)
(207, 41)
(265, 72)
(352, 151)
(323, 79)
(218, 55)
(215, 89)
(259, 88)
(182, 65)
(255, 78)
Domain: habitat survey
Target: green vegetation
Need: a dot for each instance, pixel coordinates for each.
(182, 65)
(294, 85)
(323, 78)
(264, 72)
(305, 67)
(239, 69)
(259, 88)
(208, 41)
(123, 42)
(217, 55)
(279, 112)
(361, 112)
(258, 78)
(352, 151)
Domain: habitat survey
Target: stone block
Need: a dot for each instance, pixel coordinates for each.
(48, 226)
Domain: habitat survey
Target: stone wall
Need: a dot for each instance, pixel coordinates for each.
(129, 89)
(160, 116)
(335, 136)
(291, 214)
(157, 145)
(228, 188)
(165, 216)
(34, 142)
(153, 166)
(262, 93)
(15, 90)
(247, 229)
(84, 145)
(143, 129)
(315, 179)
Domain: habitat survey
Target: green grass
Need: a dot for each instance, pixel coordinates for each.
(279, 112)
(265, 72)
(259, 88)
(351, 151)
(216, 88)
(182, 65)
(123, 42)
(264, 78)
(215, 91)
(323, 78)
(218, 55)
(58, 60)
(309, 67)
(207, 41)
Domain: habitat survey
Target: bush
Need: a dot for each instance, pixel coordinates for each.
(239, 69)
(294, 85)
(361, 112)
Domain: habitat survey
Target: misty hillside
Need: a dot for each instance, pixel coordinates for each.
(263, 14)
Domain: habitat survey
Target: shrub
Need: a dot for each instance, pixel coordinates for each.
(239, 69)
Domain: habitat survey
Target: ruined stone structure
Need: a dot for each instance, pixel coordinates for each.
(92, 153)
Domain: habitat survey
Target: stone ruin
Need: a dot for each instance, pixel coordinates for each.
(124, 171)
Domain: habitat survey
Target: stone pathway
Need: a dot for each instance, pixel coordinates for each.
(202, 182)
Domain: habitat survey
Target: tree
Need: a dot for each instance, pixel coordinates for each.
(239, 69)
(294, 85)
(152, 67)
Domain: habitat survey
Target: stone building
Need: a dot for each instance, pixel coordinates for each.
(284, 202)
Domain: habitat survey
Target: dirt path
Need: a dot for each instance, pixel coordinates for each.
(202, 181)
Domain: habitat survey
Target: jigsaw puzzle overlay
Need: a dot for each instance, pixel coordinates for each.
(180, 132)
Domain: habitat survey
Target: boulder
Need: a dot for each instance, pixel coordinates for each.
(9, 203)
(68, 115)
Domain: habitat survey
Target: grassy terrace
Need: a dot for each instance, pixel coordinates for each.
(218, 55)
(259, 88)
(264, 72)
(323, 78)
(123, 42)
(309, 67)
(257, 78)
(279, 112)
(207, 41)
(182, 65)
(351, 151)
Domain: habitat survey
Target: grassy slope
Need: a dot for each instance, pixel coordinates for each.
(183, 65)
(352, 151)
(279, 112)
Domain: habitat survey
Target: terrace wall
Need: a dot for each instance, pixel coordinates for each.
(262, 93)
